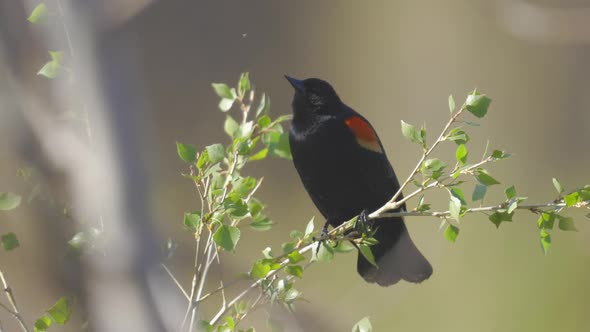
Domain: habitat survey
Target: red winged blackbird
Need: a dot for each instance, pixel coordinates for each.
(345, 171)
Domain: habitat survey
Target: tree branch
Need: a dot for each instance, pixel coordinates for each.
(14, 312)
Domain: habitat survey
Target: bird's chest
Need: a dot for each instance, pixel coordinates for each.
(341, 176)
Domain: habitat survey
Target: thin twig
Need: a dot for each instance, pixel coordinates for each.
(393, 203)
(15, 312)
(176, 281)
(531, 207)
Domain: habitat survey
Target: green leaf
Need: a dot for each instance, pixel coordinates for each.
(260, 269)
(61, 311)
(458, 136)
(259, 155)
(79, 240)
(451, 233)
(571, 199)
(512, 205)
(215, 153)
(203, 160)
(42, 323)
(9, 241)
(363, 325)
(50, 69)
(410, 132)
(261, 224)
(557, 186)
(479, 192)
(567, 224)
(461, 154)
(261, 105)
(227, 237)
(546, 220)
(243, 186)
(192, 220)
(281, 148)
(255, 206)
(451, 103)
(223, 90)
(244, 84)
(455, 207)
(296, 235)
(235, 205)
(434, 165)
(264, 121)
(204, 326)
(510, 192)
(498, 154)
(325, 254)
(367, 253)
(186, 152)
(477, 104)
(225, 104)
(230, 322)
(288, 247)
(485, 178)
(309, 228)
(295, 270)
(231, 126)
(38, 14)
(245, 129)
(343, 247)
(295, 257)
(498, 217)
(369, 241)
(267, 252)
(422, 134)
(9, 201)
(292, 295)
(265, 108)
(545, 241)
(458, 193)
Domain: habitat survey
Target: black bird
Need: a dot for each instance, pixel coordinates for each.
(345, 171)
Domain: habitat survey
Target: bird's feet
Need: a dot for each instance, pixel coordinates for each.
(363, 224)
(323, 236)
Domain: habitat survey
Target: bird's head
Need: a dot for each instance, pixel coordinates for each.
(315, 96)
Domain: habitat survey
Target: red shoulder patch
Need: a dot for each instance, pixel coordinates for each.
(365, 135)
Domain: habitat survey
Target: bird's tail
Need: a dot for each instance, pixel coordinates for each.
(396, 255)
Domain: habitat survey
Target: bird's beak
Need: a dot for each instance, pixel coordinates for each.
(297, 84)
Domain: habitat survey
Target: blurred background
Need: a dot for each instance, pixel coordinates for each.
(389, 60)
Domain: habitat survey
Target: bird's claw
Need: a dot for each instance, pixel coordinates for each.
(323, 237)
(362, 223)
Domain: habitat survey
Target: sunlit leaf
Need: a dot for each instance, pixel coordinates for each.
(477, 104)
(9, 201)
(38, 14)
(223, 90)
(9, 241)
(363, 325)
(567, 224)
(479, 192)
(461, 154)
(186, 152)
(451, 103)
(545, 241)
(60, 311)
(227, 237)
(295, 270)
(410, 132)
(557, 186)
(367, 253)
(451, 233)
